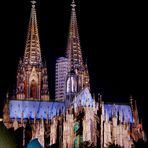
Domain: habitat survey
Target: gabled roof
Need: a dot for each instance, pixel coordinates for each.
(124, 111)
(30, 109)
(84, 98)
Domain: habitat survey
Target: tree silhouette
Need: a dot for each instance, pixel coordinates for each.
(113, 145)
(87, 144)
(140, 144)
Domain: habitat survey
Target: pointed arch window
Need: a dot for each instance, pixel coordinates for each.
(71, 85)
(33, 89)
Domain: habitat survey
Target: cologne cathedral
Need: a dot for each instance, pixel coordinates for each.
(75, 118)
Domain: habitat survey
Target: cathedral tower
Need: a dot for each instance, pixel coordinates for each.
(32, 81)
(77, 77)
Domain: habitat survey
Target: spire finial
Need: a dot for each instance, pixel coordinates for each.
(33, 3)
(32, 53)
(73, 5)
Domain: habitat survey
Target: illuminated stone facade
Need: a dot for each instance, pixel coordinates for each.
(32, 79)
(80, 118)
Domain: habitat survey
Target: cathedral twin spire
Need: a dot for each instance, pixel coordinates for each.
(77, 77)
(32, 79)
(73, 45)
(32, 73)
(32, 50)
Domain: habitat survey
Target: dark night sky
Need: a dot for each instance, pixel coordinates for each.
(113, 38)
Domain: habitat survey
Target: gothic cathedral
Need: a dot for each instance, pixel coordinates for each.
(76, 118)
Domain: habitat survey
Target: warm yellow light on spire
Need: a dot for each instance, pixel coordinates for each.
(33, 3)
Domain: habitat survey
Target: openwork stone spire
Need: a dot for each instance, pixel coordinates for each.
(32, 77)
(77, 77)
(32, 50)
(73, 47)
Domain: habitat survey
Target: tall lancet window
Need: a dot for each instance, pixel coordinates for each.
(33, 89)
(25, 88)
(71, 85)
(68, 86)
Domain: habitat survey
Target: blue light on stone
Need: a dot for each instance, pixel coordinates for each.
(30, 108)
(123, 110)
